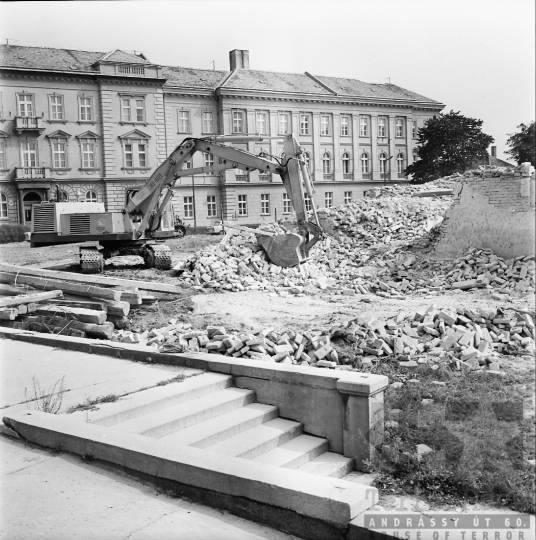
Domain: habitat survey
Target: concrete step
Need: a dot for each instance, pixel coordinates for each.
(172, 419)
(328, 464)
(155, 399)
(224, 426)
(356, 477)
(294, 453)
(258, 440)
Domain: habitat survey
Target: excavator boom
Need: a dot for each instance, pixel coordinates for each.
(284, 250)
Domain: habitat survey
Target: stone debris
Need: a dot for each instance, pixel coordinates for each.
(470, 338)
(367, 252)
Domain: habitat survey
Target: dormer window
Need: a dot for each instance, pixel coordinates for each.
(131, 70)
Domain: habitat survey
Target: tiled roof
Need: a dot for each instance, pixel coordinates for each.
(353, 87)
(73, 60)
(248, 79)
(196, 78)
(122, 56)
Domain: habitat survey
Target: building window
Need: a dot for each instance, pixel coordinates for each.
(399, 127)
(305, 124)
(242, 205)
(59, 153)
(3, 206)
(328, 199)
(308, 203)
(184, 122)
(265, 204)
(325, 125)
(283, 123)
(135, 153)
(413, 129)
(91, 196)
(383, 163)
(89, 153)
(208, 122)
(28, 151)
(63, 196)
(400, 163)
(286, 204)
(415, 157)
(208, 159)
(326, 163)
(2, 154)
(346, 163)
(262, 122)
(347, 197)
(211, 206)
(188, 207)
(85, 109)
(345, 126)
(140, 110)
(363, 127)
(364, 163)
(26, 105)
(56, 107)
(238, 122)
(125, 110)
(382, 127)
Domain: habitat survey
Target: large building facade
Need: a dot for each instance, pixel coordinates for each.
(93, 126)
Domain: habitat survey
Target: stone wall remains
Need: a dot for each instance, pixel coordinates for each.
(492, 208)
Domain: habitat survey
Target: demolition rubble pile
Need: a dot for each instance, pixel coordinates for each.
(241, 264)
(470, 337)
(367, 253)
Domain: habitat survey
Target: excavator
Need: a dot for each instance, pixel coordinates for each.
(142, 226)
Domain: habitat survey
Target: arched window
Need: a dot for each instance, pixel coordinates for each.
(3, 205)
(364, 163)
(63, 196)
(383, 163)
(326, 163)
(91, 196)
(346, 163)
(400, 163)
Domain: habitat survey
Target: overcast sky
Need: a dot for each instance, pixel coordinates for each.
(475, 56)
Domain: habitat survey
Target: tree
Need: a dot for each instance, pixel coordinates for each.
(523, 144)
(448, 143)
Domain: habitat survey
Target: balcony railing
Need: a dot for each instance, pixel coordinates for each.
(265, 178)
(27, 173)
(242, 178)
(28, 123)
(347, 176)
(328, 176)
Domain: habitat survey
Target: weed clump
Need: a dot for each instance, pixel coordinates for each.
(48, 400)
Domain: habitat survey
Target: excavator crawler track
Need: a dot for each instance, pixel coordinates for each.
(162, 257)
(91, 261)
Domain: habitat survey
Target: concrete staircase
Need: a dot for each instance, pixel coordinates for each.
(208, 412)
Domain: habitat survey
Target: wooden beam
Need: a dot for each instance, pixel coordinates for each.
(30, 298)
(10, 290)
(51, 284)
(92, 279)
(101, 331)
(78, 314)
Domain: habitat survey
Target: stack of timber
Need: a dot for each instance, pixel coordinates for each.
(33, 299)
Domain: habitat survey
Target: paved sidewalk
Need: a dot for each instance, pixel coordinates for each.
(60, 497)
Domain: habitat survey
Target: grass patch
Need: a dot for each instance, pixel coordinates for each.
(12, 233)
(91, 404)
(48, 400)
(178, 378)
(481, 440)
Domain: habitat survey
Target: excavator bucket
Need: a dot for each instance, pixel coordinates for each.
(283, 249)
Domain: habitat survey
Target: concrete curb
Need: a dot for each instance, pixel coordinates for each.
(323, 505)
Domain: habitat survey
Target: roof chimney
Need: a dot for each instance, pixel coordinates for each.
(494, 151)
(239, 59)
